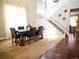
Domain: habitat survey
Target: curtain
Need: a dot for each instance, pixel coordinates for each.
(14, 16)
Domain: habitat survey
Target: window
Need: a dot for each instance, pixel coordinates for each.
(14, 17)
(73, 21)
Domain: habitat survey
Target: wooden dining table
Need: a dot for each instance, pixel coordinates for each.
(23, 36)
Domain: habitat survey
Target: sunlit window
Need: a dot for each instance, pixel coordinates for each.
(73, 20)
(14, 16)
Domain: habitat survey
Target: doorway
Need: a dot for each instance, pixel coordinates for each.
(74, 20)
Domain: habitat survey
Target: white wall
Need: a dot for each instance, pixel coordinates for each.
(31, 6)
(59, 9)
(1, 19)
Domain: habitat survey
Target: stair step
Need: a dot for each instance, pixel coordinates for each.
(56, 26)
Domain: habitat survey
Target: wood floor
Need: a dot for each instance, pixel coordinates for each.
(30, 51)
(65, 49)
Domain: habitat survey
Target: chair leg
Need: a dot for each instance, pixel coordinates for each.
(22, 43)
(16, 41)
(24, 39)
(28, 40)
(41, 36)
(12, 40)
(34, 38)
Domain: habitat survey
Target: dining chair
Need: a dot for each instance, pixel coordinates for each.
(28, 27)
(14, 35)
(20, 27)
(40, 32)
(31, 34)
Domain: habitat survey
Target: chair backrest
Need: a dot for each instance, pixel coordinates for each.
(40, 30)
(20, 27)
(33, 31)
(32, 28)
(13, 32)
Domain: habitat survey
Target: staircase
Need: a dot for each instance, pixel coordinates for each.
(59, 8)
(53, 17)
(57, 27)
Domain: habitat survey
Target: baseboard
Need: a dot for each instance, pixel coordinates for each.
(2, 38)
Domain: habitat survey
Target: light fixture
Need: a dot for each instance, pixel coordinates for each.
(55, 1)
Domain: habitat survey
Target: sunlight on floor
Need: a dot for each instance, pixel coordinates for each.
(51, 34)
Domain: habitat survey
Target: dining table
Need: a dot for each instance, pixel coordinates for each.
(23, 36)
